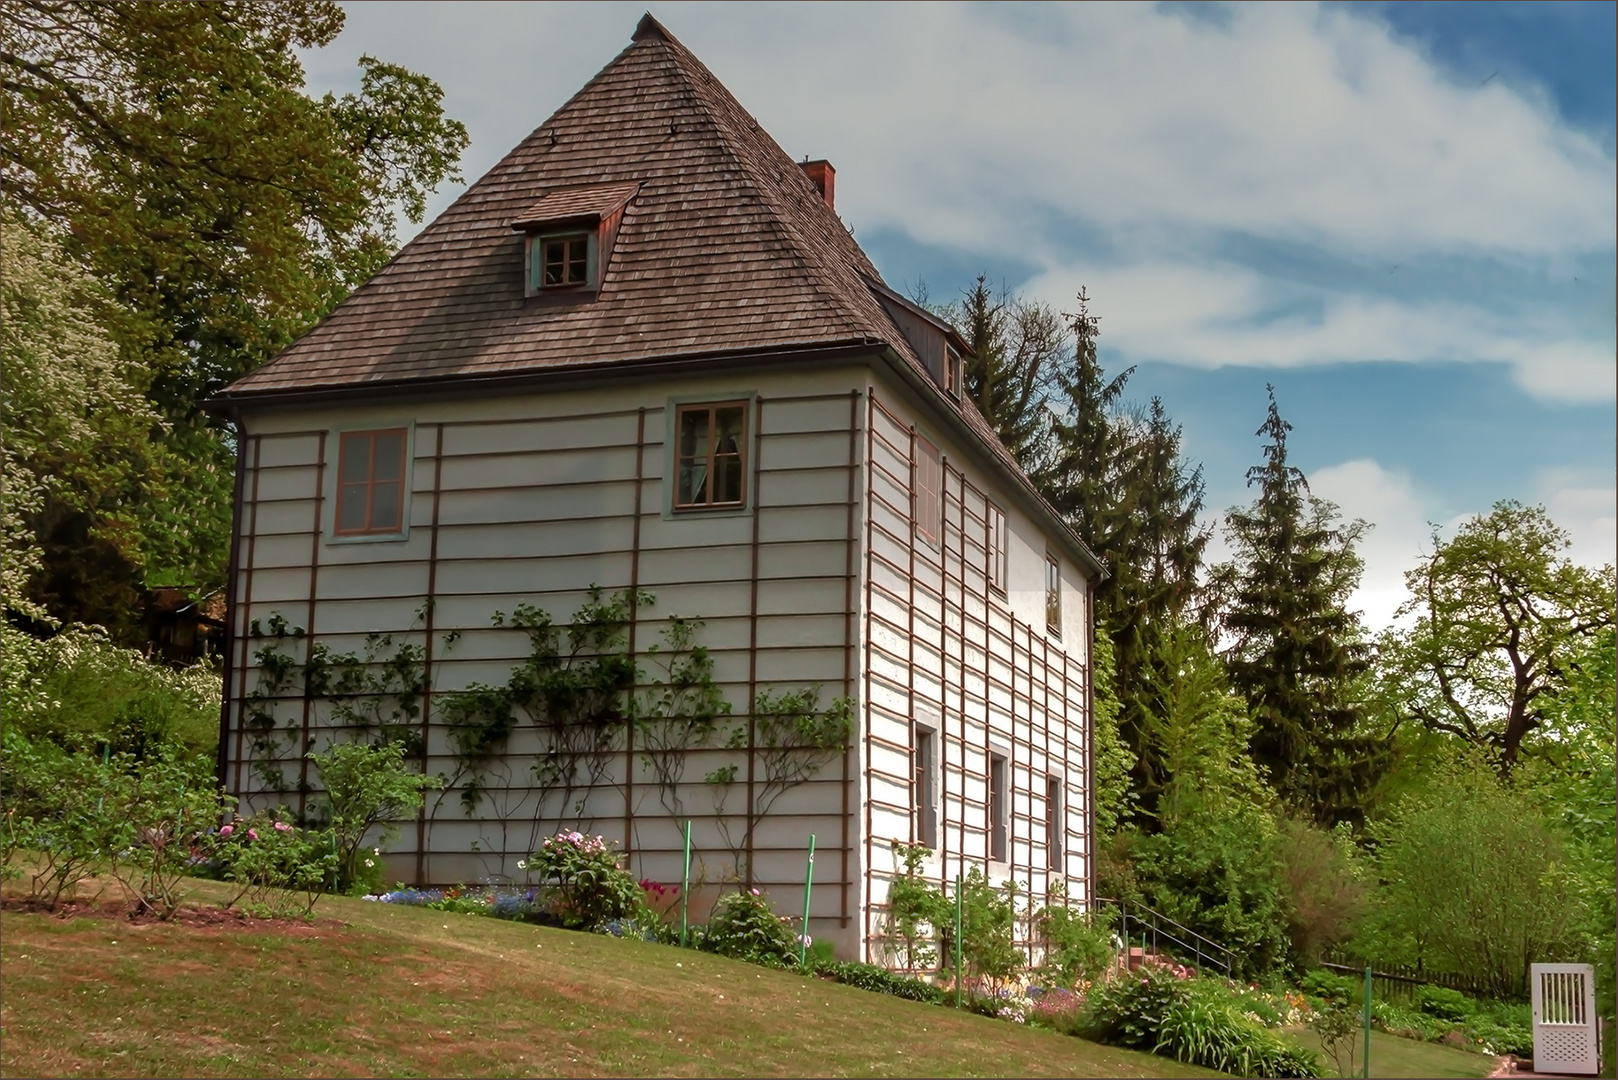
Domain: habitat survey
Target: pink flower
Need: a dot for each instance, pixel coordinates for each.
(227, 830)
(252, 834)
(755, 892)
(281, 826)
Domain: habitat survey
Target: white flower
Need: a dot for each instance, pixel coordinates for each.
(522, 864)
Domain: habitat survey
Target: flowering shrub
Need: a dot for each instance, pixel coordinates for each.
(744, 928)
(584, 887)
(281, 870)
(1078, 944)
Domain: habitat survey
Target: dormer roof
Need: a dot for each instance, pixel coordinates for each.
(586, 203)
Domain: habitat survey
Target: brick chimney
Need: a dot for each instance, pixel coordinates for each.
(824, 177)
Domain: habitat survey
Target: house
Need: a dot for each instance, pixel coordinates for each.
(644, 354)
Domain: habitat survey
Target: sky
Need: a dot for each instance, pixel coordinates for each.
(1400, 215)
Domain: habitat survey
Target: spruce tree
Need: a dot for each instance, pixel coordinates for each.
(1295, 651)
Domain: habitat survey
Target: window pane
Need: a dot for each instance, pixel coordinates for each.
(351, 507)
(693, 483)
(385, 508)
(727, 478)
(555, 254)
(389, 456)
(694, 433)
(728, 431)
(354, 466)
(1053, 595)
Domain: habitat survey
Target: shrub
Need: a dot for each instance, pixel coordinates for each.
(1444, 1003)
(880, 980)
(1078, 945)
(169, 806)
(916, 908)
(79, 689)
(988, 930)
(281, 869)
(68, 807)
(744, 927)
(1340, 1029)
(1191, 1020)
(585, 886)
(367, 787)
(1323, 889)
(1328, 986)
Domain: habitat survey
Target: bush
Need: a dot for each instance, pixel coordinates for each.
(281, 870)
(1191, 1020)
(170, 807)
(988, 930)
(743, 927)
(66, 806)
(1444, 1003)
(585, 886)
(880, 980)
(1078, 945)
(79, 689)
(367, 787)
(1329, 986)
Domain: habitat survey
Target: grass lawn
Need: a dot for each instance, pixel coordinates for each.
(1392, 1056)
(374, 990)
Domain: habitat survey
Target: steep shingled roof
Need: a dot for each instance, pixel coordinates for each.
(726, 247)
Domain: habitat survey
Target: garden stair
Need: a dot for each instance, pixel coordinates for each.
(1163, 937)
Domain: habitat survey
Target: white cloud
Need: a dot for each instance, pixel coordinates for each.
(1388, 500)
(1587, 510)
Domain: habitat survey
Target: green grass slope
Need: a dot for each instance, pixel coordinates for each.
(372, 990)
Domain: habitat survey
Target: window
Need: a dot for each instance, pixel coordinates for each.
(929, 504)
(710, 456)
(1053, 595)
(996, 545)
(566, 261)
(1055, 825)
(953, 372)
(999, 808)
(370, 482)
(926, 781)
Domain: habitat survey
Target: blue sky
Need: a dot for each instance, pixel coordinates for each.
(1401, 215)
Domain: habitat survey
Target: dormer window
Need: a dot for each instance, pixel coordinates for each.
(569, 237)
(953, 371)
(561, 262)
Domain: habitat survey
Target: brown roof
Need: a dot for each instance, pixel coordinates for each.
(592, 201)
(727, 246)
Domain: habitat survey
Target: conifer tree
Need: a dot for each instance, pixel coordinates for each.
(1295, 651)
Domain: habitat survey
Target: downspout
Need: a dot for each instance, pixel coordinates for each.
(221, 761)
(1090, 743)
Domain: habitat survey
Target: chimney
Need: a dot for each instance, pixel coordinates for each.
(824, 177)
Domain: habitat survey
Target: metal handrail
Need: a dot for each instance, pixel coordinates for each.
(1203, 948)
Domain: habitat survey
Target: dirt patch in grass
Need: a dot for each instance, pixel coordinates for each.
(193, 916)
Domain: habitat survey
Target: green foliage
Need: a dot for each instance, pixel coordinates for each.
(1474, 881)
(1077, 944)
(1115, 799)
(1329, 986)
(743, 927)
(1500, 614)
(1444, 1003)
(169, 804)
(172, 148)
(880, 980)
(585, 887)
(66, 806)
(280, 869)
(916, 910)
(78, 688)
(1192, 1020)
(574, 688)
(368, 788)
(78, 454)
(988, 929)
(679, 712)
(1296, 651)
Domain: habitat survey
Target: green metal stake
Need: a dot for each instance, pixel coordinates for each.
(685, 882)
(1367, 1069)
(957, 940)
(808, 884)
